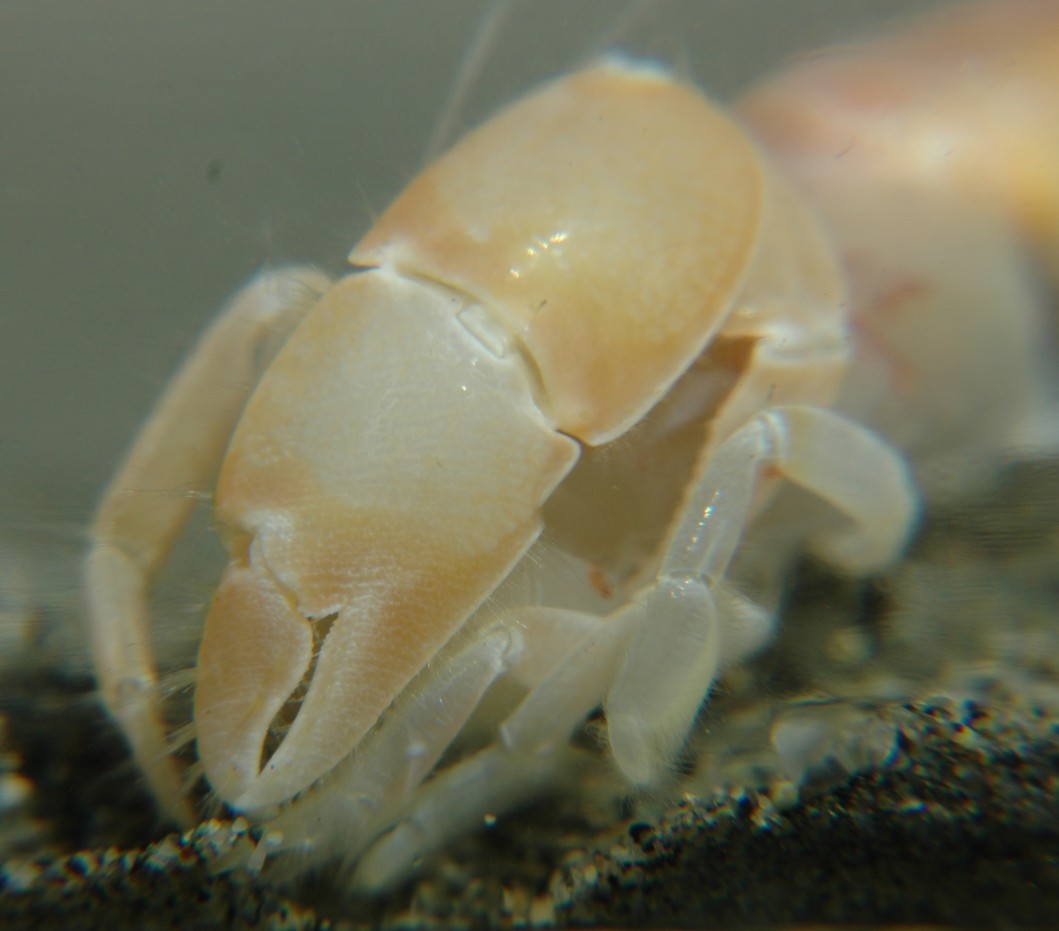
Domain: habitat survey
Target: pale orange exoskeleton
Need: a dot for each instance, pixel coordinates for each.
(525, 440)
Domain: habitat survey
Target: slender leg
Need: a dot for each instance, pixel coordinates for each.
(689, 623)
(532, 749)
(152, 495)
(361, 797)
(659, 654)
(381, 782)
(859, 474)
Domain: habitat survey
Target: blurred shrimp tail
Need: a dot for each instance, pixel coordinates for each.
(932, 156)
(967, 100)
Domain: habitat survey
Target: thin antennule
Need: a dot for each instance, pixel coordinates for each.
(626, 24)
(491, 25)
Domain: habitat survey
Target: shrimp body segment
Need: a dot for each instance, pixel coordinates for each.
(605, 287)
(423, 491)
(932, 156)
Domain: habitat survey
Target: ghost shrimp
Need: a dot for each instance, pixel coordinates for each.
(525, 442)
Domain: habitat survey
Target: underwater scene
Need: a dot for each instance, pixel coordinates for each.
(516, 463)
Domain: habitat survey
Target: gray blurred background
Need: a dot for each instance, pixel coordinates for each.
(153, 155)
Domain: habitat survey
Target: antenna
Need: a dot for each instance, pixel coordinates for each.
(490, 26)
